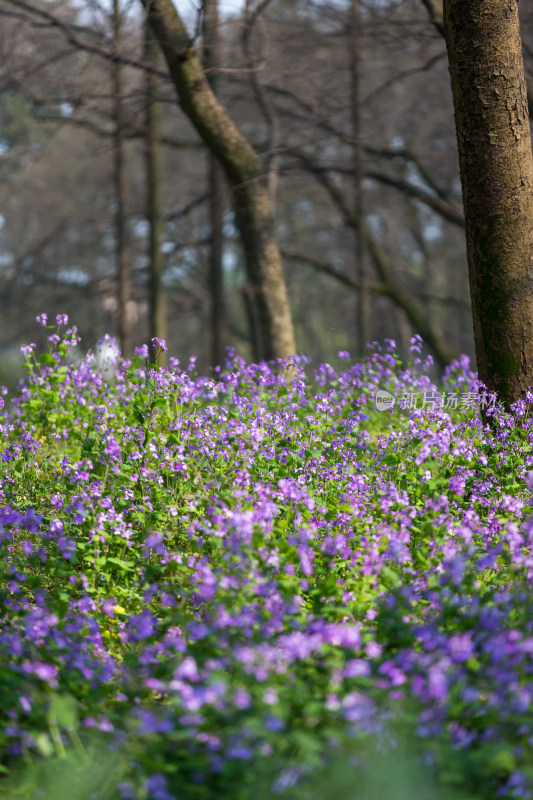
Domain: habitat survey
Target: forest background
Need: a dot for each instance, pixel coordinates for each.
(112, 209)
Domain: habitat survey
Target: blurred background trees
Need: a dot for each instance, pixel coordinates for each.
(113, 210)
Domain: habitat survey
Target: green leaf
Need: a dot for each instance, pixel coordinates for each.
(503, 760)
(44, 745)
(126, 565)
(159, 402)
(313, 452)
(392, 460)
(390, 576)
(63, 709)
(308, 744)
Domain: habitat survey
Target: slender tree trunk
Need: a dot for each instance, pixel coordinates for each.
(253, 211)
(219, 336)
(211, 58)
(364, 305)
(157, 296)
(491, 113)
(250, 309)
(121, 251)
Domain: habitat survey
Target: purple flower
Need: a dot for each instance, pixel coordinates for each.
(45, 672)
(157, 342)
(149, 722)
(25, 704)
(437, 682)
(187, 669)
(141, 626)
(27, 349)
(112, 448)
(270, 697)
(108, 607)
(461, 647)
(357, 708)
(142, 351)
(154, 542)
(156, 787)
(416, 343)
(240, 752)
(356, 668)
(242, 699)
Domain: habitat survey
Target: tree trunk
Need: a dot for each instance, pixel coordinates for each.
(253, 212)
(364, 305)
(121, 252)
(219, 337)
(211, 58)
(157, 297)
(491, 113)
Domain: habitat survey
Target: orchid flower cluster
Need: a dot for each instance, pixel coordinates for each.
(228, 580)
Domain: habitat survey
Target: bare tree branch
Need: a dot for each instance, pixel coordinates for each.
(328, 269)
(272, 124)
(434, 9)
(72, 34)
(395, 291)
(410, 157)
(186, 210)
(377, 288)
(346, 138)
(440, 207)
(371, 96)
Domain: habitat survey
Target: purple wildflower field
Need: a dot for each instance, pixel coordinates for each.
(263, 582)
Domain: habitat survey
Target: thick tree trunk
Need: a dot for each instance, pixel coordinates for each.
(211, 58)
(491, 112)
(157, 296)
(244, 173)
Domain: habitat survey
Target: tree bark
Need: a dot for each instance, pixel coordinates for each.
(253, 212)
(364, 309)
(157, 297)
(491, 113)
(121, 251)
